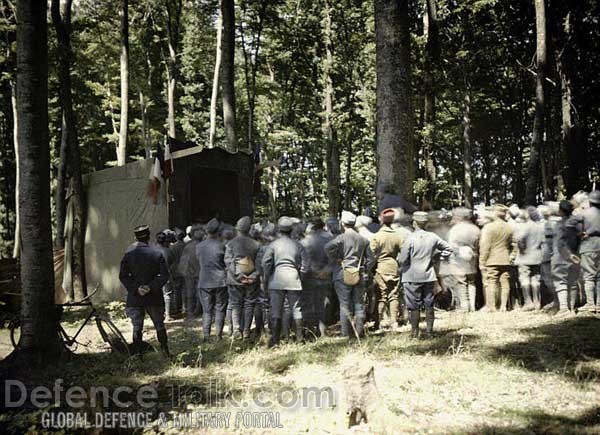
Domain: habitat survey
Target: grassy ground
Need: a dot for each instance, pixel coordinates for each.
(501, 373)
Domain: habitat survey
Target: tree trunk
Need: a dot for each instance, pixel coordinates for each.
(537, 143)
(122, 148)
(61, 16)
(215, 87)
(13, 100)
(332, 159)
(60, 202)
(431, 30)
(227, 78)
(467, 150)
(395, 155)
(174, 8)
(39, 336)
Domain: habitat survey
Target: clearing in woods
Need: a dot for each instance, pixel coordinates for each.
(500, 373)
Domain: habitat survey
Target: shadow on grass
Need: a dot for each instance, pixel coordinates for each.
(558, 347)
(543, 423)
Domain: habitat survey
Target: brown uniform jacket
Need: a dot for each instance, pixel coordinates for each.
(495, 245)
(386, 244)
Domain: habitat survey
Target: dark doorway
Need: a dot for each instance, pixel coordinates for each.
(214, 193)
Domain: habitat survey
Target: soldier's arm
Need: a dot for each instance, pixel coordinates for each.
(444, 248)
(267, 263)
(484, 248)
(370, 260)
(126, 276)
(332, 249)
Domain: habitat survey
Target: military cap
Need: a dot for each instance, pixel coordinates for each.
(594, 197)
(285, 224)
(420, 216)
(348, 218)
(141, 231)
(462, 212)
(317, 223)
(566, 206)
(188, 230)
(501, 208)
(268, 231)
(212, 226)
(295, 220)
(255, 231)
(363, 221)
(244, 224)
(534, 214)
(387, 215)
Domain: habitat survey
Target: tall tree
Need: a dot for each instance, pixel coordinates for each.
(537, 143)
(124, 121)
(61, 17)
(216, 75)
(39, 336)
(173, 16)
(395, 155)
(227, 76)
(467, 150)
(332, 160)
(432, 53)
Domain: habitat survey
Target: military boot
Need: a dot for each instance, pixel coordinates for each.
(299, 326)
(429, 318)
(563, 303)
(259, 321)
(527, 299)
(219, 324)
(415, 317)
(236, 315)
(394, 308)
(164, 342)
(589, 287)
(275, 332)
(381, 316)
(573, 296)
(136, 346)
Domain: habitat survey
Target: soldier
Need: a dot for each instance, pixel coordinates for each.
(418, 274)
(261, 312)
(545, 267)
(177, 279)
(354, 260)
(463, 238)
(528, 240)
(495, 257)
(282, 264)
(588, 226)
(565, 263)
(212, 292)
(386, 245)
(188, 268)
(162, 245)
(143, 273)
(332, 225)
(242, 277)
(316, 283)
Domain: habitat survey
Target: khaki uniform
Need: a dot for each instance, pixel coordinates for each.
(495, 256)
(386, 245)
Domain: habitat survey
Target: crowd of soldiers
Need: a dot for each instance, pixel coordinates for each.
(365, 272)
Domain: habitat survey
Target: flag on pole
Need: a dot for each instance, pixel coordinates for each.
(154, 180)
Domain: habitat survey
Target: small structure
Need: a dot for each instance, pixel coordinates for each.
(205, 183)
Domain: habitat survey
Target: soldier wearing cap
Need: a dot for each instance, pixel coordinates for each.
(242, 277)
(332, 225)
(353, 260)
(418, 274)
(188, 269)
(261, 311)
(177, 280)
(528, 241)
(316, 283)
(283, 263)
(565, 262)
(211, 288)
(588, 227)
(386, 245)
(463, 238)
(545, 267)
(495, 258)
(162, 245)
(143, 273)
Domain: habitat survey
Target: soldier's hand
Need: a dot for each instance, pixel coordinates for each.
(575, 259)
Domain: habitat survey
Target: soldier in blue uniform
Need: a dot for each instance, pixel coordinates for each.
(143, 273)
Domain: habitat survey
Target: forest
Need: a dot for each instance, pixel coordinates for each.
(484, 100)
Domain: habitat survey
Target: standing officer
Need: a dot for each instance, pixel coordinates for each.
(354, 260)
(565, 262)
(546, 267)
(463, 238)
(282, 264)
(495, 257)
(418, 273)
(162, 245)
(242, 277)
(588, 226)
(528, 240)
(188, 268)
(386, 245)
(211, 280)
(143, 273)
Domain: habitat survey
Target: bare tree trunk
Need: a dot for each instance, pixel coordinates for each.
(332, 159)
(467, 150)
(39, 336)
(173, 9)
(61, 16)
(431, 30)
(537, 143)
(145, 129)
(124, 122)
(395, 154)
(215, 87)
(13, 99)
(60, 202)
(227, 77)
